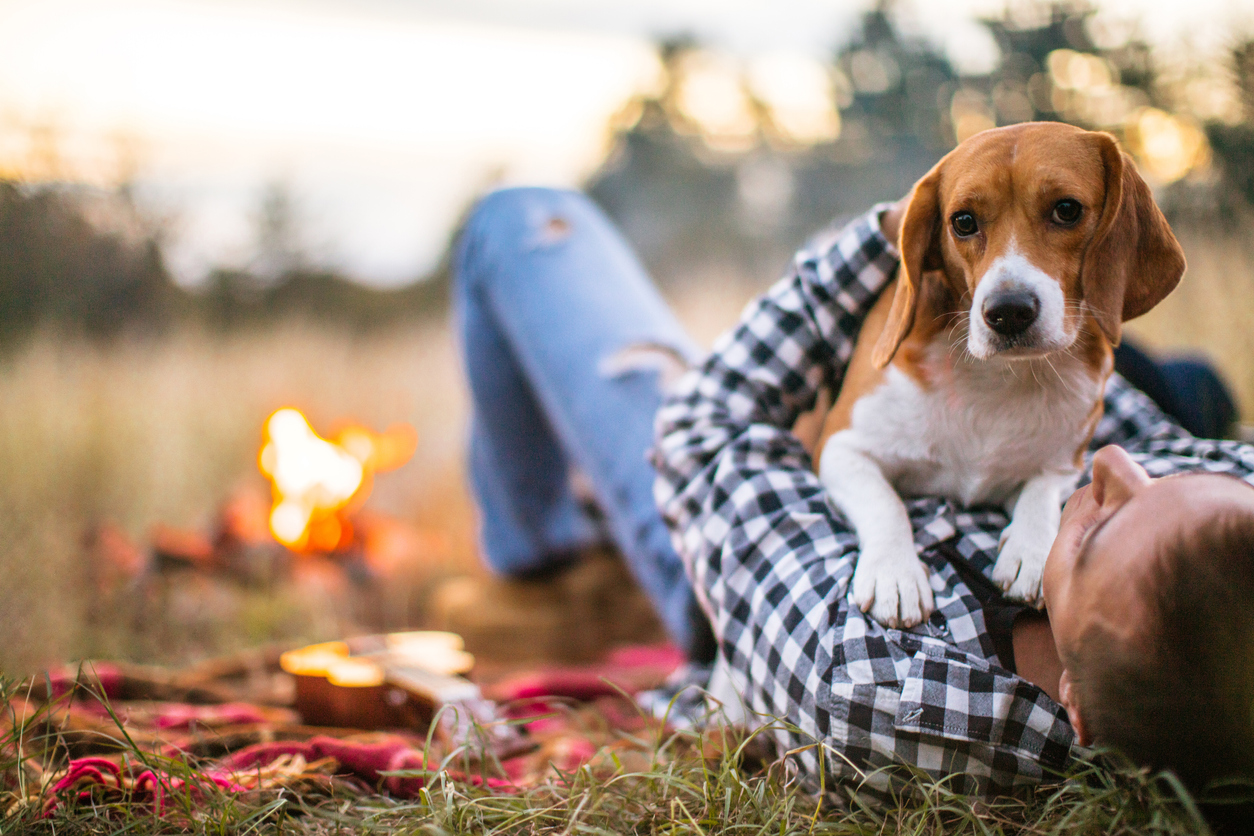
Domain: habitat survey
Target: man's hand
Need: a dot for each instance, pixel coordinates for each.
(890, 221)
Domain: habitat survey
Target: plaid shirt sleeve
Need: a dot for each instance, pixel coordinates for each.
(1159, 444)
(771, 559)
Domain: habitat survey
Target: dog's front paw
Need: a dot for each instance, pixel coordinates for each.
(1021, 561)
(893, 587)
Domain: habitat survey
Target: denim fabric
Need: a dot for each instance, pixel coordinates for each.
(545, 291)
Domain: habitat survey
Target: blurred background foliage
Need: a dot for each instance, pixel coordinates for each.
(713, 175)
(744, 182)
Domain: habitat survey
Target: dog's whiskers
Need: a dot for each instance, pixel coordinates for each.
(1067, 385)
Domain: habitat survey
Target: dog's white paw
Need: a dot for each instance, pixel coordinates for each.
(1021, 561)
(893, 587)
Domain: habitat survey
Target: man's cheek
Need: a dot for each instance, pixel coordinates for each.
(1047, 595)
(1057, 563)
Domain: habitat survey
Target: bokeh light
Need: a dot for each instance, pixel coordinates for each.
(799, 93)
(711, 93)
(1167, 146)
(970, 113)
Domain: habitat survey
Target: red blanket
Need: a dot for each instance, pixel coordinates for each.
(569, 714)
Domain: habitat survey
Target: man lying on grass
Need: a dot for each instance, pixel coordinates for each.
(1149, 641)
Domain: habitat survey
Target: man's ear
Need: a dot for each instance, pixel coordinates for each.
(1067, 696)
(1134, 259)
(919, 244)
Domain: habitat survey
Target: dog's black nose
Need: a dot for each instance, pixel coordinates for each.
(1011, 312)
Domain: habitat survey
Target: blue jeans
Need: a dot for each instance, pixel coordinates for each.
(545, 289)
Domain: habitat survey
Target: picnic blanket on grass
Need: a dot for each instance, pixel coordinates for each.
(92, 733)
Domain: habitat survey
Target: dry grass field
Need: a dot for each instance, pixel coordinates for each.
(162, 430)
(1212, 311)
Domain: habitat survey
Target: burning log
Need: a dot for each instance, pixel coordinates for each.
(182, 548)
(308, 530)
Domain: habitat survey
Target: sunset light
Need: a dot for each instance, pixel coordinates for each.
(388, 122)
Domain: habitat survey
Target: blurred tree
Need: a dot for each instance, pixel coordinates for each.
(1021, 87)
(80, 258)
(695, 203)
(282, 280)
(674, 198)
(280, 244)
(698, 204)
(1243, 73)
(899, 87)
(236, 299)
(1234, 143)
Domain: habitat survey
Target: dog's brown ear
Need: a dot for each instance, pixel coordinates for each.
(919, 244)
(1134, 259)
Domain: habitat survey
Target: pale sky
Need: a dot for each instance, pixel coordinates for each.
(385, 117)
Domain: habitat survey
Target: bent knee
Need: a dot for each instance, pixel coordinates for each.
(515, 220)
(517, 203)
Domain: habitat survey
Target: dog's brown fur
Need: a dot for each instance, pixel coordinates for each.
(1114, 264)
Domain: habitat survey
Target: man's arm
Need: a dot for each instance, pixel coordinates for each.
(723, 436)
(771, 559)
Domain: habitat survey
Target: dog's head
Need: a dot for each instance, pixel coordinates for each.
(1037, 227)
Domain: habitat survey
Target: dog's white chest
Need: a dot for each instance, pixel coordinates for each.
(977, 430)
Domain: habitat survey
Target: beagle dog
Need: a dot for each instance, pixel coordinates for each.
(978, 376)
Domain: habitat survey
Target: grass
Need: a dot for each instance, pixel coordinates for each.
(1211, 310)
(684, 782)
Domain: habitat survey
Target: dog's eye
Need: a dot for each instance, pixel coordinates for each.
(964, 224)
(1066, 212)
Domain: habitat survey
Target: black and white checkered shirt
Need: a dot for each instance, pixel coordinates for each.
(771, 558)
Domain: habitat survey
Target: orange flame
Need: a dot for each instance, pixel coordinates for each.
(315, 481)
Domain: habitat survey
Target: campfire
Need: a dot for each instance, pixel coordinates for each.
(317, 483)
(306, 529)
